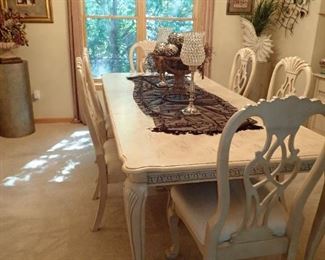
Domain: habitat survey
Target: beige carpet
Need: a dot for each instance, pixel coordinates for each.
(46, 184)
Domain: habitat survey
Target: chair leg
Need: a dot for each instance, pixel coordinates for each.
(102, 184)
(173, 251)
(96, 193)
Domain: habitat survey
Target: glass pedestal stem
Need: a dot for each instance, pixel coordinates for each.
(191, 109)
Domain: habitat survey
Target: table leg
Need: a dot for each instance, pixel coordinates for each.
(135, 196)
(318, 228)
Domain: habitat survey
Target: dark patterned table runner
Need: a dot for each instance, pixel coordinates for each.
(164, 105)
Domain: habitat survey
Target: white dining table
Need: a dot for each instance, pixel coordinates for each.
(160, 159)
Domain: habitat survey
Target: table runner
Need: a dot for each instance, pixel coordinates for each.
(164, 105)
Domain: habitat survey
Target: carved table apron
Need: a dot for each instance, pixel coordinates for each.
(160, 159)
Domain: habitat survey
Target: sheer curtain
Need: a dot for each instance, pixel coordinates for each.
(76, 43)
(205, 24)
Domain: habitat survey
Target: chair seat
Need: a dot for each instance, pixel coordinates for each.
(197, 202)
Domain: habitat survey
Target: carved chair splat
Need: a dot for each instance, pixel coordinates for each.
(293, 67)
(240, 77)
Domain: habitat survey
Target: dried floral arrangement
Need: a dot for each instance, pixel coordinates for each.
(11, 27)
(166, 55)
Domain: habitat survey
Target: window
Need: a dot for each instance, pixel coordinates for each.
(113, 26)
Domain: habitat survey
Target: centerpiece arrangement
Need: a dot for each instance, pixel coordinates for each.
(167, 58)
(12, 35)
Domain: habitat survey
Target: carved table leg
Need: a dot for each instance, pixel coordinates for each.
(135, 196)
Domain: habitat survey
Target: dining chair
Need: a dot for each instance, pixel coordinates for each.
(101, 143)
(293, 67)
(243, 71)
(146, 46)
(248, 217)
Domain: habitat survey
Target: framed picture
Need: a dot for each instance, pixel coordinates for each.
(235, 7)
(34, 11)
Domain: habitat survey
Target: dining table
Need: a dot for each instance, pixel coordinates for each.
(150, 158)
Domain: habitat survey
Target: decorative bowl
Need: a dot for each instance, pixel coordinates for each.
(172, 65)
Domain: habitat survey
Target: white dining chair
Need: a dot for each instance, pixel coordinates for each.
(146, 46)
(293, 67)
(246, 218)
(243, 71)
(102, 145)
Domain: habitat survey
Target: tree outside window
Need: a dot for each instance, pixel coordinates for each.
(113, 26)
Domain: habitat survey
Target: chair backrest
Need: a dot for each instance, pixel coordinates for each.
(93, 120)
(147, 47)
(90, 84)
(293, 67)
(280, 138)
(242, 71)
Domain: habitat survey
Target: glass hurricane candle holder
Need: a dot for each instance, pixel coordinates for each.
(192, 55)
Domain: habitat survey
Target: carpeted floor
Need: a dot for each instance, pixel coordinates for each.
(46, 183)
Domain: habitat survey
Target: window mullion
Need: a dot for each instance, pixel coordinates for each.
(141, 26)
(111, 17)
(195, 15)
(141, 20)
(169, 18)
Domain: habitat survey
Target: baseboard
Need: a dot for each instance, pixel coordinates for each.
(54, 120)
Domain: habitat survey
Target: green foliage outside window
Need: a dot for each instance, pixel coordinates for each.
(109, 40)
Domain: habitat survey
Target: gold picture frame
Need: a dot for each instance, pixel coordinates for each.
(34, 11)
(236, 7)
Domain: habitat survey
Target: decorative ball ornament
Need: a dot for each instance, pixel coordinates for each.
(176, 38)
(171, 50)
(160, 48)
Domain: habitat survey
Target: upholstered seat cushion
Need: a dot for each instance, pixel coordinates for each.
(196, 203)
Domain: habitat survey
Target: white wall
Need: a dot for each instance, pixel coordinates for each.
(227, 40)
(301, 42)
(49, 64)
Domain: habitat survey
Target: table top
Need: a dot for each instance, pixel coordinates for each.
(160, 158)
